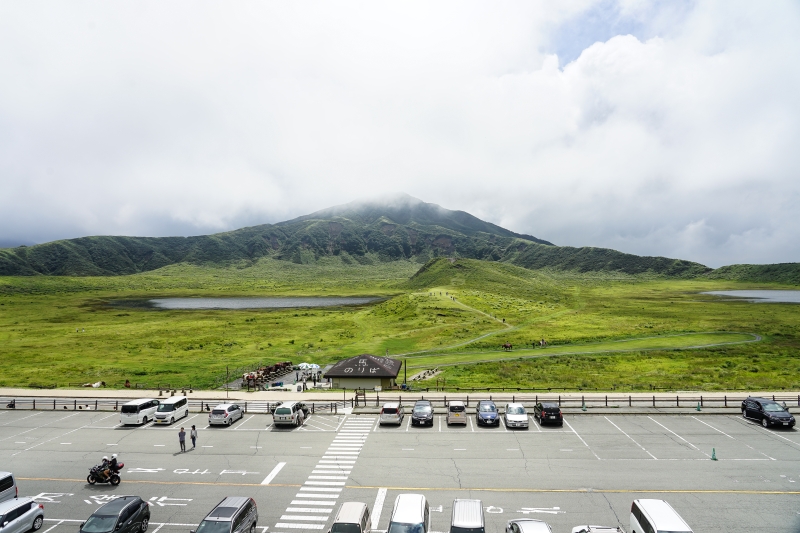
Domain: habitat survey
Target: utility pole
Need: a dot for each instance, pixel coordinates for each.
(405, 371)
(227, 380)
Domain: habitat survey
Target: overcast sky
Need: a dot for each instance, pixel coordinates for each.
(653, 128)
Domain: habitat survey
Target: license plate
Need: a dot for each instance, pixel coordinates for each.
(553, 416)
(786, 423)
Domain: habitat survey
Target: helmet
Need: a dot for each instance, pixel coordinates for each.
(113, 456)
(105, 458)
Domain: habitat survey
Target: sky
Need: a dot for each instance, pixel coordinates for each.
(654, 128)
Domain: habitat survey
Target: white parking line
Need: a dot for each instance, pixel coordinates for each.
(720, 431)
(440, 423)
(308, 510)
(409, 423)
(58, 437)
(53, 526)
(272, 474)
(37, 427)
(684, 440)
(377, 507)
(377, 423)
(576, 434)
(632, 440)
(24, 417)
(242, 423)
(533, 421)
(471, 426)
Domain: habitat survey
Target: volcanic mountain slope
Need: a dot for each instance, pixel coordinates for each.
(400, 227)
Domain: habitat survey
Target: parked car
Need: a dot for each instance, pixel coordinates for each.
(456, 413)
(548, 412)
(392, 413)
(19, 515)
(516, 416)
(768, 412)
(527, 525)
(124, 514)
(352, 517)
(486, 413)
(8, 486)
(138, 411)
(290, 414)
(422, 413)
(410, 514)
(225, 414)
(172, 409)
(234, 514)
(656, 515)
(467, 517)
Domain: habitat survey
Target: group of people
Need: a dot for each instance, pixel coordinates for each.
(182, 437)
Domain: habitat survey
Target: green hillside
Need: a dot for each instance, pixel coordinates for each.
(402, 228)
(778, 273)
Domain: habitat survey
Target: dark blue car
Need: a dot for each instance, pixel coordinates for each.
(486, 413)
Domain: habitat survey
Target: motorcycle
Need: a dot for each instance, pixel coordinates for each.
(97, 475)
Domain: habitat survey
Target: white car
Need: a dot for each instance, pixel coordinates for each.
(516, 416)
(225, 414)
(392, 413)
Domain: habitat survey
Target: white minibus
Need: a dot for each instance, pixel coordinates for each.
(172, 409)
(138, 411)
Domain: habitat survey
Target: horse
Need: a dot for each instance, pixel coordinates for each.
(507, 346)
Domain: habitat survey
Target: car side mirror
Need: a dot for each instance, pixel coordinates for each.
(82, 524)
(119, 526)
(192, 531)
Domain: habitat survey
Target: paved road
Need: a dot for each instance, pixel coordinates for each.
(588, 471)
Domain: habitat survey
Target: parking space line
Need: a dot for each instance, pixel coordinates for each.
(684, 440)
(37, 427)
(23, 418)
(243, 423)
(471, 426)
(58, 437)
(576, 434)
(377, 507)
(720, 431)
(53, 526)
(533, 421)
(440, 423)
(632, 440)
(377, 423)
(758, 427)
(505, 427)
(272, 474)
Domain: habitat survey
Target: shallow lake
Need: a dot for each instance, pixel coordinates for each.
(245, 303)
(792, 297)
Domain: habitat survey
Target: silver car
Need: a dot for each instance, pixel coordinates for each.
(527, 525)
(597, 529)
(516, 416)
(225, 414)
(19, 515)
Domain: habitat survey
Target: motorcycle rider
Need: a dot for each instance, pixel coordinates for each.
(113, 465)
(104, 470)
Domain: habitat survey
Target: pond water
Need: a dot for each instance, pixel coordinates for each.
(245, 303)
(792, 297)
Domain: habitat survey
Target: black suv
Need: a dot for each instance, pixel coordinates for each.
(548, 412)
(486, 413)
(768, 412)
(422, 413)
(126, 514)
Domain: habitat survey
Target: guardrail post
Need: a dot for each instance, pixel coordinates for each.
(34, 404)
(95, 404)
(629, 401)
(606, 400)
(726, 400)
(74, 405)
(701, 400)
(54, 404)
(559, 400)
(677, 401)
(654, 400)
(245, 407)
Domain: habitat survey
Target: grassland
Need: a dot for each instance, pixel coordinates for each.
(604, 331)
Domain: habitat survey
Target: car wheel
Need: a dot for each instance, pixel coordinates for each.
(253, 528)
(744, 413)
(144, 420)
(37, 523)
(145, 523)
(172, 420)
(765, 422)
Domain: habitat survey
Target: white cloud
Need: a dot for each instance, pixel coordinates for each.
(654, 129)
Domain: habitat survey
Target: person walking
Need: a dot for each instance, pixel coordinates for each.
(182, 439)
(193, 435)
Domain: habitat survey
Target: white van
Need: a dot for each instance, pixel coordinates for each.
(410, 515)
(138, 411)
(456, 413)
(8, 486)
(652, 516)
(353, 517)
(172, 409)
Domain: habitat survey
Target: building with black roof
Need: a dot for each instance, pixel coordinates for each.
(364, 371)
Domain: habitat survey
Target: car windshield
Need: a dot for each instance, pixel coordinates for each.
(516, 411)
(283, 411)
(99, 524)
(166, 407)
(485, 408)
(422, 409)
(456, 408)
(773, 408)
(389, 411)
(395, 527)
(213, 526)
(345, 528)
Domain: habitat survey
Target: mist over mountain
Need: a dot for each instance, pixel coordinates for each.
(398, 227)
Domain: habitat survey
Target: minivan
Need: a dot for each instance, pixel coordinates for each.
(20, 515)
(138, 411)
(289, 414)
(234, 514)
(353, 517)
(410, 515)
(172, 409)
(467, 517)
(391, 413)
(652, 516)
(8, 486)
(456, 413)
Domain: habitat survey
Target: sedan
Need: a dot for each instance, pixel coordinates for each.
(225, 414)
(548, 412)
(516, 416)
(528, 525)
(422, 414)
(486, 413)
(767, 412)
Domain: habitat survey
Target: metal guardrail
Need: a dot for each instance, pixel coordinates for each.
(110, 404)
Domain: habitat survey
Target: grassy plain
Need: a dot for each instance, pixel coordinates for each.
(604, 331)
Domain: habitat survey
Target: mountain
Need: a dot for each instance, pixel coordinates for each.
(387, 229)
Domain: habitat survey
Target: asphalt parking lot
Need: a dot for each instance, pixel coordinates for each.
(587, 471)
